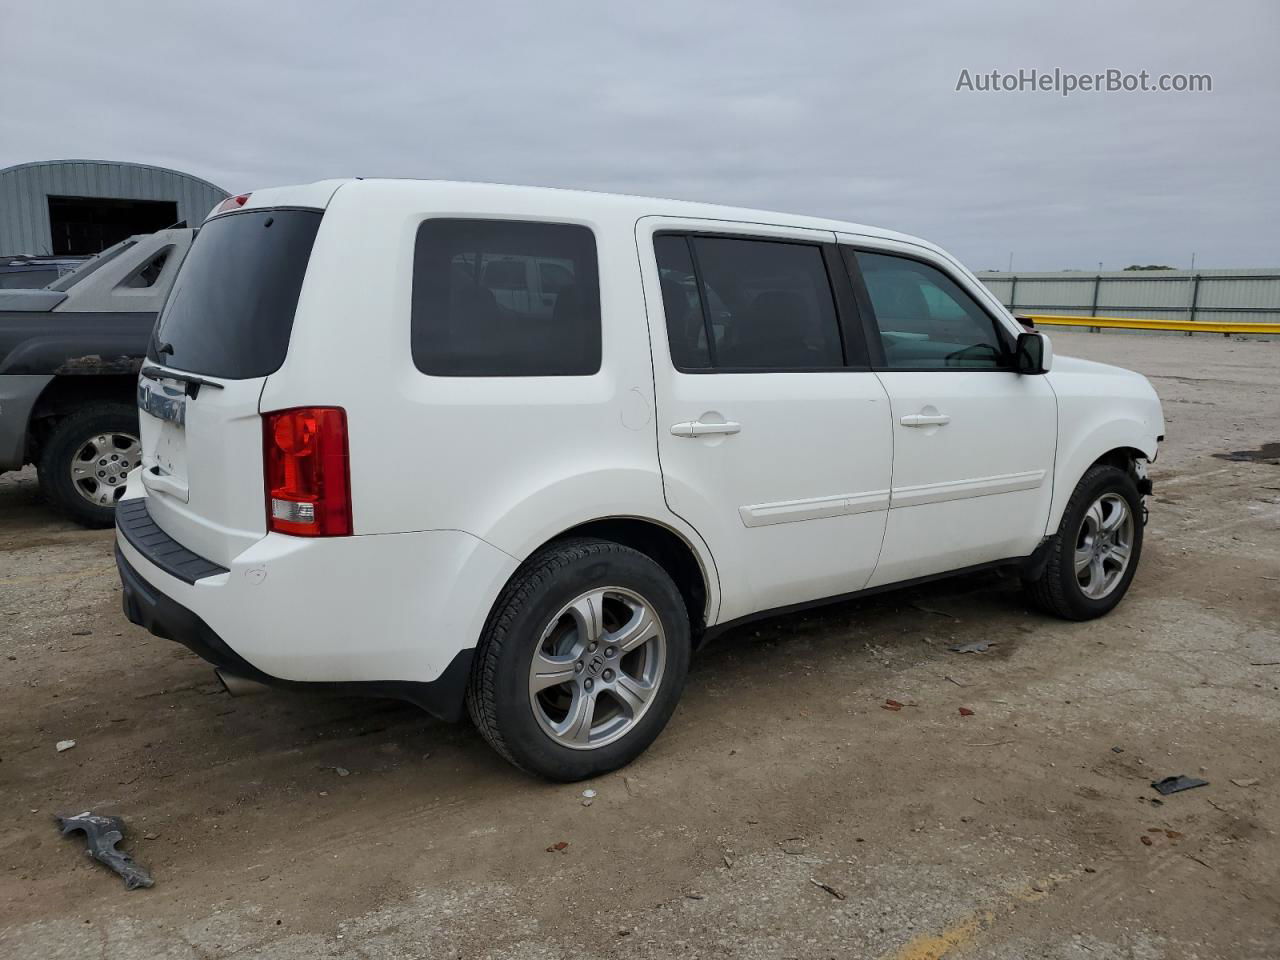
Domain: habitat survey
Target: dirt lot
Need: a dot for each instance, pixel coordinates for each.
(294, 826)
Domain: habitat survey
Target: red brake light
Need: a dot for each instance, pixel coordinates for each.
(307, 471)
(231, 203)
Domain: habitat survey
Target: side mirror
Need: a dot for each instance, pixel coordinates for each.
(1034, 353)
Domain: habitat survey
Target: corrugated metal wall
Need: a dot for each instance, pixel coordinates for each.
(1227, 296)
(25, 189)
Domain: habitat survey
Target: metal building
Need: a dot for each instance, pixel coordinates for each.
(81, 207)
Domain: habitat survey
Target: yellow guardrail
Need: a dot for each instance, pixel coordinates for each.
(1141, 323)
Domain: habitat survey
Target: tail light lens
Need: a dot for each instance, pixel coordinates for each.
(308, 473)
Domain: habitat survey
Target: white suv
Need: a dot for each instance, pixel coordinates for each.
(523, 449)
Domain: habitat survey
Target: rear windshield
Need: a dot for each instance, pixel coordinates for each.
(231, 309)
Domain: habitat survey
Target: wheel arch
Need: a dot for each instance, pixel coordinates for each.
(692, 570)
(1124, 458)
(67, 393)
(1118, 443)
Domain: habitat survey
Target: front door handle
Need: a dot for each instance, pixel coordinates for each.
(925, 420)
(696, 428)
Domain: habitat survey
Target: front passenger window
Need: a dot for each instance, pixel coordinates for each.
(926, 320)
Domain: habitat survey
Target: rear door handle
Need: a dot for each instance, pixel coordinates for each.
(925, 420)
(696, 428)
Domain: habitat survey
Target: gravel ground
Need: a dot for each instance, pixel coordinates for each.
(782, 814)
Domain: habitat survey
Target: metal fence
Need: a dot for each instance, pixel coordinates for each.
(1234, 296)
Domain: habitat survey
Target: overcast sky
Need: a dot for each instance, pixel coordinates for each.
(843, 109)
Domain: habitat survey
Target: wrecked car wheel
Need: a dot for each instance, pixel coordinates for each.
(86, 459)
(1092, 558)
(582, 661)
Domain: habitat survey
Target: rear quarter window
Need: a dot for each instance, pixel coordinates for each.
(230, 313)
(505, 298)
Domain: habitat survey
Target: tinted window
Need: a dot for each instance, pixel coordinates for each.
(230, 312)
(768, 305)
(555, 277)
(497, 298)
(147, 274)
(686, 329)
(926, 321)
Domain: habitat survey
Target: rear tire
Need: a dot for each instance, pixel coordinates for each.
(1094, 555)
(582, 660)
(77, 472)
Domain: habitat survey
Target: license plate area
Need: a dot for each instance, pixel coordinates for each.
(170, 456)
(163, 402)
(162, 410)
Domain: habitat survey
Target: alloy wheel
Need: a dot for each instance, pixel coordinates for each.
(1104, 546)
(597, 668)
(100, 465)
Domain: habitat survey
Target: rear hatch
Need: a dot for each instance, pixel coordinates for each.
(224, 329)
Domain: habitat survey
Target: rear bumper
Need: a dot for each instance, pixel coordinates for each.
(394, 615)
(166, 618)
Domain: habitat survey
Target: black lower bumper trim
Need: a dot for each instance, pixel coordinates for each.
(134, 521)
(166, 618)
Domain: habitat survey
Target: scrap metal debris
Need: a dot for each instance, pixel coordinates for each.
(827, 887)
(1177, 784)
(62, 745)
(978, 646)
(1245, 781)
(101, 835)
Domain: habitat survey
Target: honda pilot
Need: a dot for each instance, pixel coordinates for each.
(515, 453)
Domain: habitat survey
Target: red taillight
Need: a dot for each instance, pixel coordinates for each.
(231, 203)
(307, 471)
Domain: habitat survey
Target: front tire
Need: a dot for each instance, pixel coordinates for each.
(582, 660)
(1094, 555)
(85, 460)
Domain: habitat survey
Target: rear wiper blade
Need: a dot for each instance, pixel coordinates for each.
(188, 378)
(161, 347)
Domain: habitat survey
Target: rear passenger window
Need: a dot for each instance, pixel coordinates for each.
(747, 304)
(505, 298)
